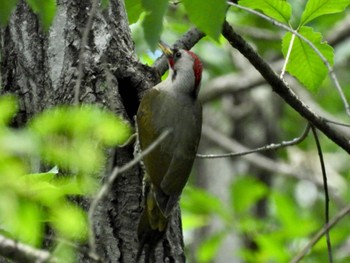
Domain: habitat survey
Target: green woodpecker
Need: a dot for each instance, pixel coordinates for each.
(171, 105)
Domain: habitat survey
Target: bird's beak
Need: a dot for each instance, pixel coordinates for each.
(165, 48)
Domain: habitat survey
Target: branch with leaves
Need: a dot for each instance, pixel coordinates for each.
(281, 88)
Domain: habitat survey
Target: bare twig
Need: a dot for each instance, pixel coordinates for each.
(83, 44)
(282, 89)
(325, 186)
(269, 147)
(337, 123)
(256, 159)
(345, 211)
(106, 186)
(20, 252)
(307, 41)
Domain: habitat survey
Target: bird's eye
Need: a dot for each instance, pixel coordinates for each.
(178, 54)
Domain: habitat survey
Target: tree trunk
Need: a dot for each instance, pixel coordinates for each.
(41, 68)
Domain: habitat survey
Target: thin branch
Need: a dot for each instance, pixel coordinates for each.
(83, 45)
(263, 162)
(269, 147)
(345, 211)
(307, 41)
(337, 123)
(282, 89)
(106, 186)
(325, 186)
(20, 252)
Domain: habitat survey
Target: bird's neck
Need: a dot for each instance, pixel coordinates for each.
(183, 81)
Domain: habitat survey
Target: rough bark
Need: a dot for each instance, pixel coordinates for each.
(41, 68)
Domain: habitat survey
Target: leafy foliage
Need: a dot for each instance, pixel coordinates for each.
(278, 9)
(199, 12)
(316, 8)
(6, 7)
(74, 138)
(134, 10)
(153, 21)
(46, 9)
(303, 62)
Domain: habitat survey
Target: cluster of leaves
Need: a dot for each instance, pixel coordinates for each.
(71, 138)
(198, 12)
(303, 62)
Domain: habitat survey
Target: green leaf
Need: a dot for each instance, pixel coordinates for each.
(64, 252)
(303, 62)
(153, 22)
(134, 9)
(70, 221)
(28, 223)
(209, 248)
(192, 221)
(277, 9)
(293, 221)
(8, 108)
(73, 137)
(316, 8)
(6, 7)
(245, 192)
(104, 4)
(207, 15)
(46, 9)
(198, 201)
(20, 217)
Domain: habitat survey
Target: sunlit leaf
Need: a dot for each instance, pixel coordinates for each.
(209, 248)
(6, 8)
(153, 21)
(198, 201)
(316, 8)
(134, 9)
(207, 15)
(64, 253)
(245, 192)
(82, 122)
(292, 223)
(40, 177)
(28, 223)
(20, 217)
(69, 221)
(73, 138)
(8, 108)
(46, 9)
(193, 221)
(280, 10)
(303, 62)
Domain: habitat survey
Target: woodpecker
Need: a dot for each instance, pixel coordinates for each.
(171, 105)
